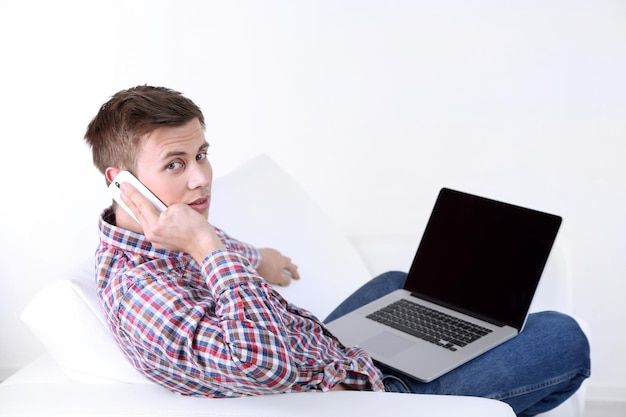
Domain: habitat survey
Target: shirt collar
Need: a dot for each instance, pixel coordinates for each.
(125, 240)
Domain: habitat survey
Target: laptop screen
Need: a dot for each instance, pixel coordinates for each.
(482, 257)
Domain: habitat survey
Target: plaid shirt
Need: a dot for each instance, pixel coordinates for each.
(216, 329)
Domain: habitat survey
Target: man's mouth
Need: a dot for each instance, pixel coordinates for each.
(200, 204)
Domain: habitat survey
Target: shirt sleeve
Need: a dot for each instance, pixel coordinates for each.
(231, 343)
(248, 251)
(251, 320)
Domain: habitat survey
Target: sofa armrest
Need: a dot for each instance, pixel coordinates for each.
(149, 400)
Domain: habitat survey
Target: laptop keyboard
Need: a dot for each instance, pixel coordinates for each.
(431, 325)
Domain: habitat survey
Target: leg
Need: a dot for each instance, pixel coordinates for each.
(534, 372)
(375, 288)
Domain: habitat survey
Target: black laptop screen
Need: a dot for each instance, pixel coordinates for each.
(482, 256)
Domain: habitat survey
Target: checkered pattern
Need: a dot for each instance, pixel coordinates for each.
(216, 329)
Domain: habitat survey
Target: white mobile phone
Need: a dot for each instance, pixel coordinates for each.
(125, 176)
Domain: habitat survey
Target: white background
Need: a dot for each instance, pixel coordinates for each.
(371, 105)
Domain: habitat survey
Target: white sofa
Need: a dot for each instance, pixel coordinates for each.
(84, 373)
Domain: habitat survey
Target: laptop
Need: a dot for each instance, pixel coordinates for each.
(476, 269)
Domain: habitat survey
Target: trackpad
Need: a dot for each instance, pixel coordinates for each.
(385, 344)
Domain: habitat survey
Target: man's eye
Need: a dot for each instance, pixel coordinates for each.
(201, 156)
(174, 165)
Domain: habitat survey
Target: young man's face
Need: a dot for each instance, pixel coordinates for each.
(172, 162)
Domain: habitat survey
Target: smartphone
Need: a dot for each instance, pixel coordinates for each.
(125, 176)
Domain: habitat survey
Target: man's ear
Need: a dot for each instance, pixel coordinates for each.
(111, 173)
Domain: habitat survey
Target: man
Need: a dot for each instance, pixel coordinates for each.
(193, 308)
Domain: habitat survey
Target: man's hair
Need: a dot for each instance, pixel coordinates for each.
(114, 133)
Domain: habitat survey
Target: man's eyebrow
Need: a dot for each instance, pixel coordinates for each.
(171, 154)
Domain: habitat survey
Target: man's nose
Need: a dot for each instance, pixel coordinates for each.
(200, 176)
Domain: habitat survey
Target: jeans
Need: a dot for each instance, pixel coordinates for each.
(533, 372)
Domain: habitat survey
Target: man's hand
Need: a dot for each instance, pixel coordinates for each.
(179, 228)
(276, 268)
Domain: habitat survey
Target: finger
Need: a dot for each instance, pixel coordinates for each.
(293, 271)
(290, 268)
(141, 207)
(284, 278)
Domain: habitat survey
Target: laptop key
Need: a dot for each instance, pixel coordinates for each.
(427, 324)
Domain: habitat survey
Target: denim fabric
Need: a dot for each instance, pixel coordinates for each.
(533, 372)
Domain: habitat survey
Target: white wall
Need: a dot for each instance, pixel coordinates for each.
(371, 105)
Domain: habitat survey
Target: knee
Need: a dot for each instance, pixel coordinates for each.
(567, 332)
(384, 283)
(392, 279)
